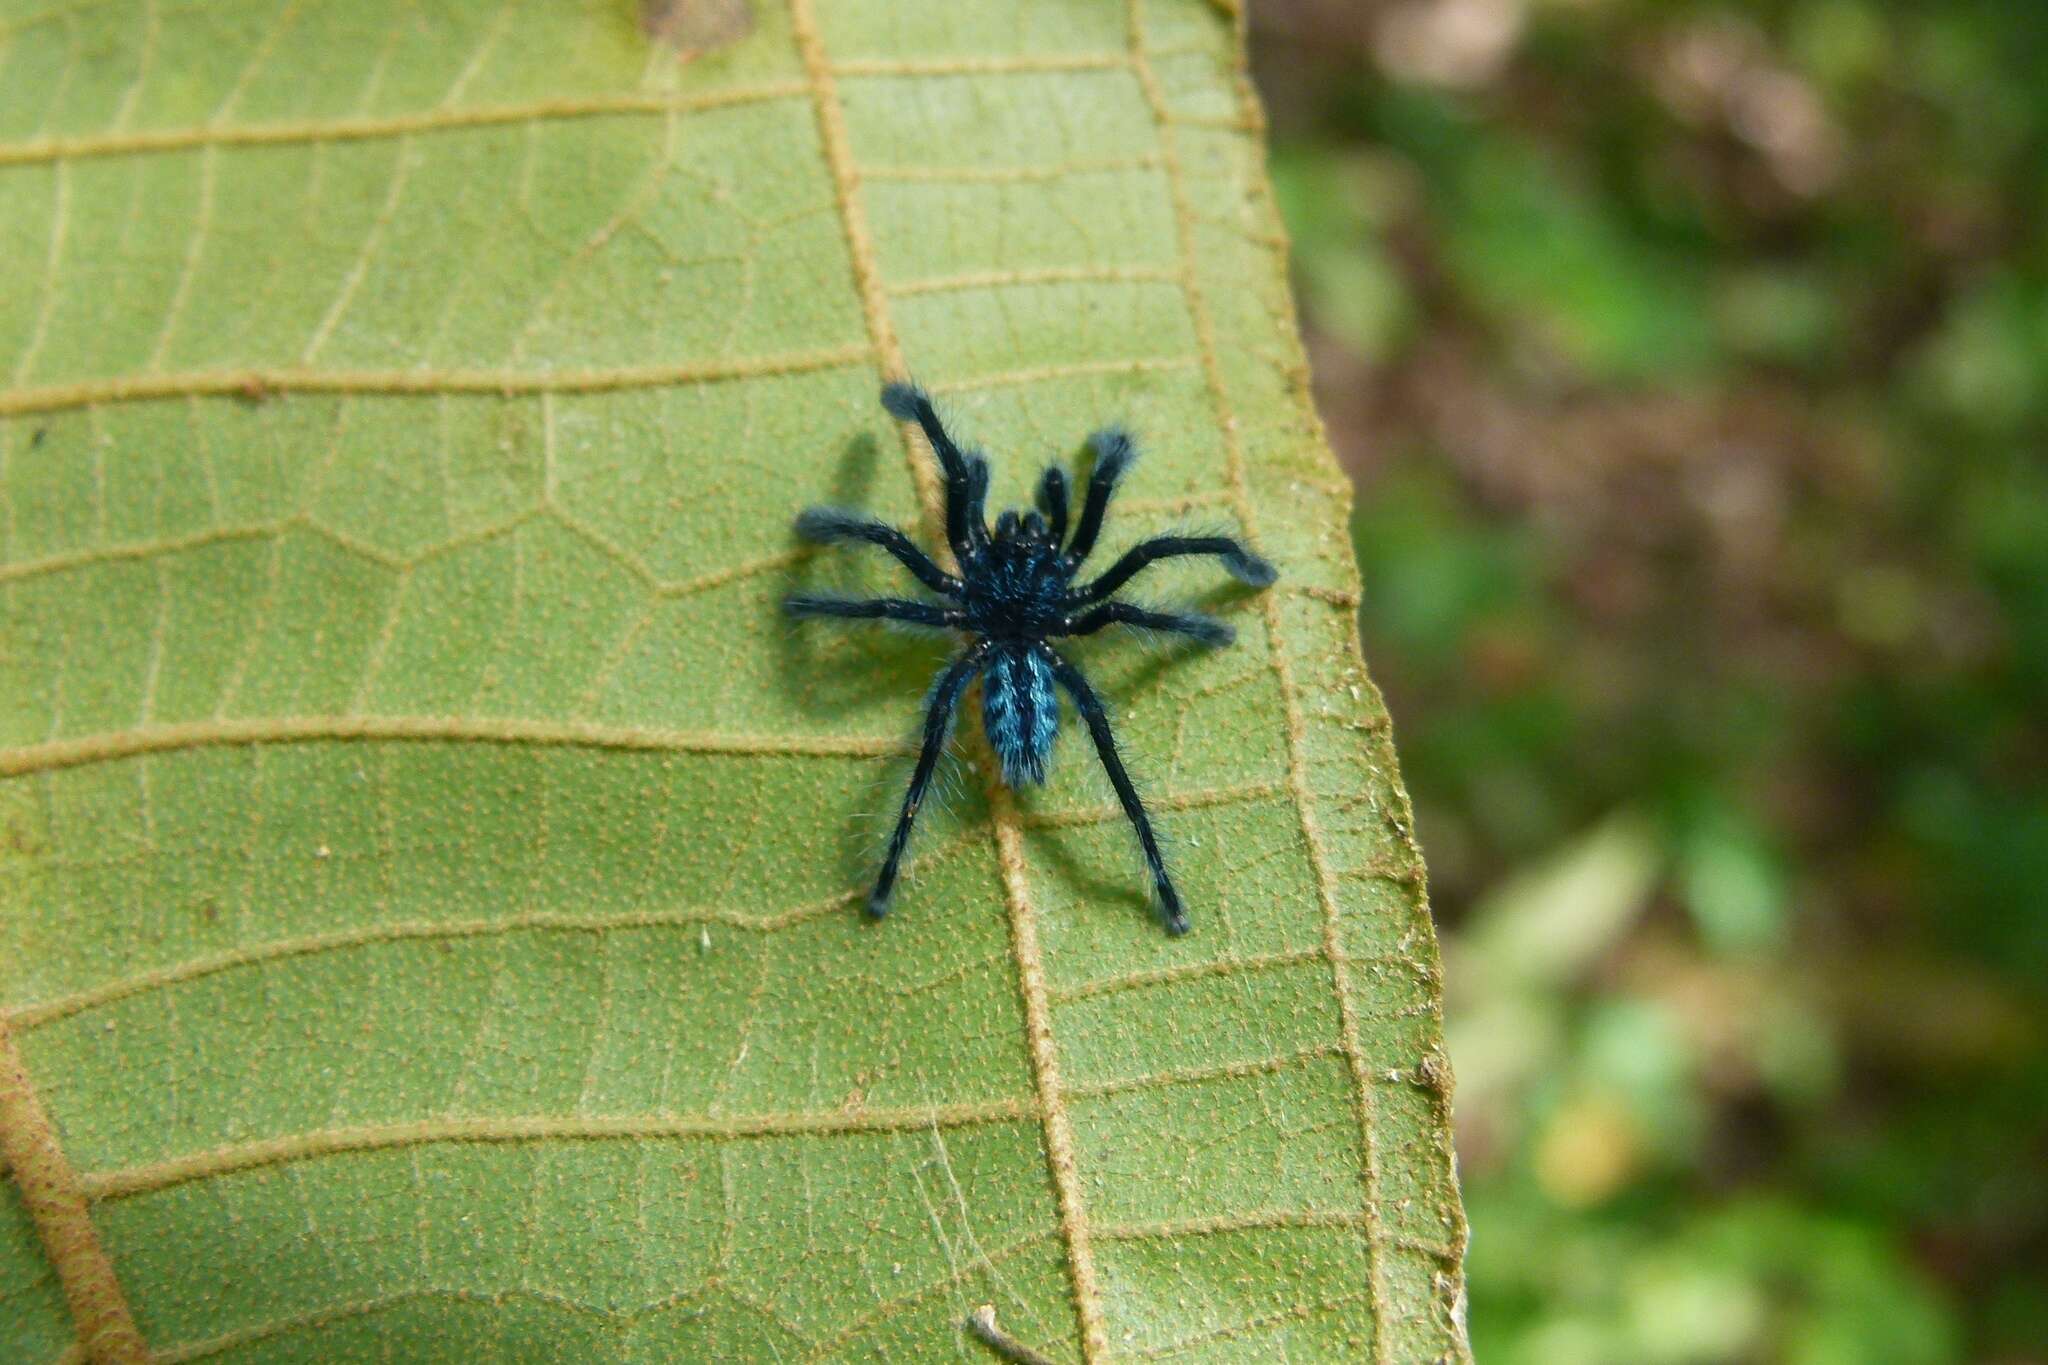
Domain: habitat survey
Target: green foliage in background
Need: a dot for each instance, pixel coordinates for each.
(1691, 359)
(428, 862)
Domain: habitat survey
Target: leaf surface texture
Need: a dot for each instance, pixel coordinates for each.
(428, 861)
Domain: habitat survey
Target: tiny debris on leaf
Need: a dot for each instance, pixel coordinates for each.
(982, 1323)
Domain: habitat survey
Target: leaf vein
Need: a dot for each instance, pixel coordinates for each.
(1052, 1114)
(55, 1198)
(363, 129)
(110, 746)
(424, 381)
(126, 1182)
(1212, 370)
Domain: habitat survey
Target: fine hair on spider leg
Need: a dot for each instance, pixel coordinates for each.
(940, 707)
(881, 807)
(1101, 789)
(1095, 716)
(1179, 551)
(1157, 627)
(1228, 548)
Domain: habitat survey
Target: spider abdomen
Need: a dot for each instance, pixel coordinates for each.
(1019, 711)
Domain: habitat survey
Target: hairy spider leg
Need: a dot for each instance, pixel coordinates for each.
(876, 609)
(823, 525)
(1207, 629)
(1097, 720)
(938, 719)
(976, 513)
(1052, 500)
(1113, 455)
(1243, 565)
(966, 475)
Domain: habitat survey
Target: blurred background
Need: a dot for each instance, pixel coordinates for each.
(1691, 360)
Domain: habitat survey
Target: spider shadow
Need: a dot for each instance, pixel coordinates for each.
(1089, 882)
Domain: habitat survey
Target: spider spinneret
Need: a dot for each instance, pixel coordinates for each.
(1015, 592)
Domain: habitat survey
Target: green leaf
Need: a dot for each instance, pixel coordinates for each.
(428, 860)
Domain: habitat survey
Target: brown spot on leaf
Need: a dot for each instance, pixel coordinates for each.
(696, 26)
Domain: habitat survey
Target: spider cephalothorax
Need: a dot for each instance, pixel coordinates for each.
(1015, 592)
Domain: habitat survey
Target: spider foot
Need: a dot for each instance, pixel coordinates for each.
(1248, 568)
(903, 400)
(1170, 909)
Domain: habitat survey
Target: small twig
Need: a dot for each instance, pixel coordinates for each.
(982, 1322)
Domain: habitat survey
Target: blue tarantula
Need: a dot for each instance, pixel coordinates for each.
(1015, 592)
